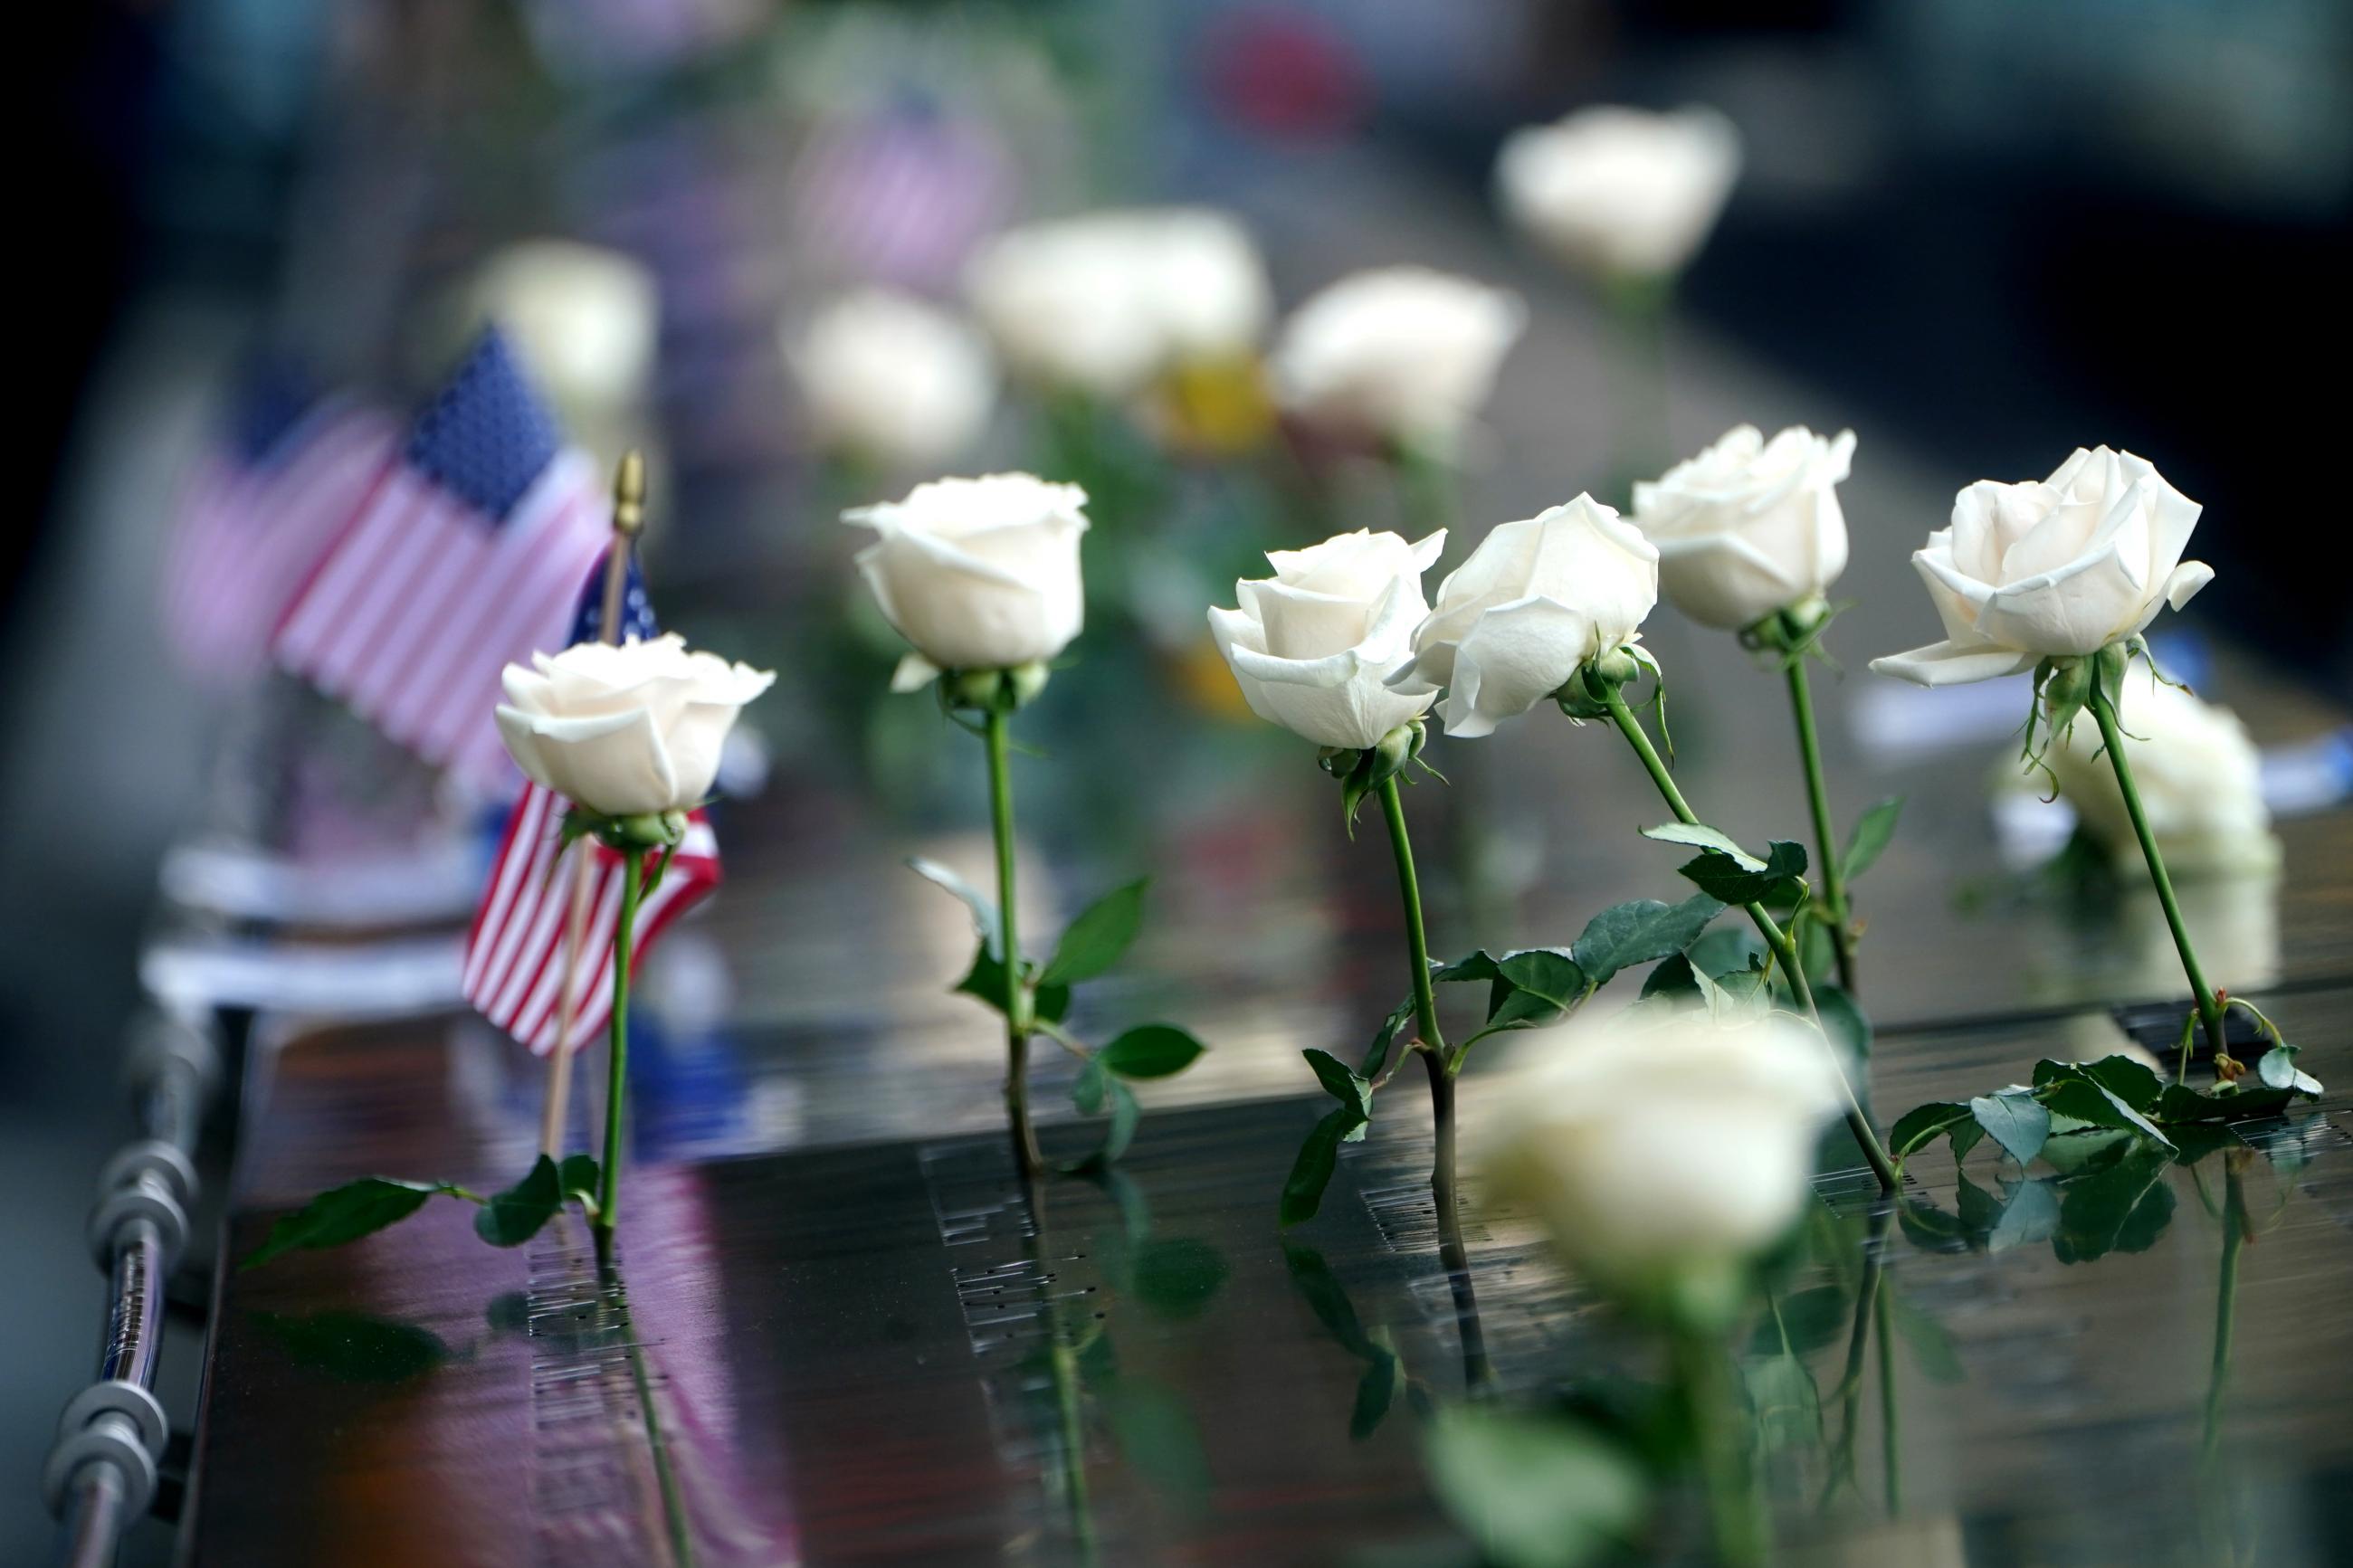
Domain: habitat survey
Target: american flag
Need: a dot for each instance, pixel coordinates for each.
(515, 954)
(463, 558)
(282, 475)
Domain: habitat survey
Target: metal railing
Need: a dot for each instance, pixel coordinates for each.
(104, 1472)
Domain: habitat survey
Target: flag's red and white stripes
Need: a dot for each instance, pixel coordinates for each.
(515, 955)
(247, 535)
(420, 606)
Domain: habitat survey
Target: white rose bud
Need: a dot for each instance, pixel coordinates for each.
(2200, 778)
(1749, 526)
(2061, 568)
(1578, 1138)
(889, 378)
(1621, 192)
(1399, 353)
(1106, 303)
(1310, 646)
(979, 574)
(1536, 600)
(624, 730)
(584, 319)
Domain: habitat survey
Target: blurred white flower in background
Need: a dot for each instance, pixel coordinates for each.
(1108, 302)
(1536, 600)
(892, 380)
(1621, 192)
(586, 320)
(1749, 526)
(1402, 355)
(1652, 1143)
(2200, 778)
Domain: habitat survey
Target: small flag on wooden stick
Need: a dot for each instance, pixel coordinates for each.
(539, 959)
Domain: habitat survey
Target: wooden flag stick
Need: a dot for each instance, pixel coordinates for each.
(628, 523)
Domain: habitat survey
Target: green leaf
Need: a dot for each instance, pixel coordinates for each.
(2016, 1121)
(2277, 1070)
(353, 1347)
(1700, 837)
(1872, 831)
(1375, 1392)
(1150, 1050)
(2121, 1207)
(1094, 942)
(345, 1213)
(1326, 1297)
(1087, 1090)
(1094, 1092)
(1675, 979)
(1731, 875)
(578, 1176)
(1923, 1125)
(2029, 1213)
(1178, 1276)
(1844, 1021)
(513, 1216)
(1311, 1173)
(2179, 1105)
(1534, 986)
(2072, 1092)
(1639, 931)
(1535, 1490)
(1802, 1323)
(1480, 965)
(2128, 1079)
(1377, 1055)
(1353, 1092)
(1784, 1402)
(1931, 1347)
(984, 912)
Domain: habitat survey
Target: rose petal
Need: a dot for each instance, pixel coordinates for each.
(1953, 664)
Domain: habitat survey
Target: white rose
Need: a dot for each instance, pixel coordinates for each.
(628, 730)
(1310, 646)
(1699, 1152)
(1108, 301)
(888, 377)
(1620, 191)
(2200, 778)
(584, 318)
(979, 574)
(2064, 567)
(1749, 526)
(1536, 600)
(1399, 353)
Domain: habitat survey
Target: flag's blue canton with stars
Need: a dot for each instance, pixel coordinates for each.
(637, 611)
(523, 944)
(465, 559)
(284, 473)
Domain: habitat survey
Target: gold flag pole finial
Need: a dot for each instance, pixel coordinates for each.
(628, 527)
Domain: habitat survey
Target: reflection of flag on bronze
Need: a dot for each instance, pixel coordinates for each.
(515, 953)
(463, 559)
(279, 480)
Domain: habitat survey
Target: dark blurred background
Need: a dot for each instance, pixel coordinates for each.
(1994, 229)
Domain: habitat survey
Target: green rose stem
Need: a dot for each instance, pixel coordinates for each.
(1703, 1366)
(617, 1297)
(1801, 700)
(2210, 1011)
(1017, 1019)
(1442, 1067)
(608, 1194)
(1783, 953)
(2226, 1300)
(1891, 1447)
